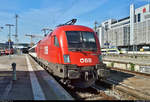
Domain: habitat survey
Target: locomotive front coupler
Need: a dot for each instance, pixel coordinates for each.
(72, 72)
(89, 75)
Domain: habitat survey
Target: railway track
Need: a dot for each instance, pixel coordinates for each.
(107, 91)
(128, 71)
(127, 92)
(112, 90)
(132, 91)
(92, 93)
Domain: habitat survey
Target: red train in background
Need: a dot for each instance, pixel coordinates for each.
(6, 51)
(72, 53)
(9, 51)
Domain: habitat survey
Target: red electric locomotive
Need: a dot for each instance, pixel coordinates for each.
(72, 52)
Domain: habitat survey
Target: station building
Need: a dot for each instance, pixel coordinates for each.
(19, 45)
(130, 33)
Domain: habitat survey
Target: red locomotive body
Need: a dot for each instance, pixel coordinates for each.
(72, 53)
(55, 46)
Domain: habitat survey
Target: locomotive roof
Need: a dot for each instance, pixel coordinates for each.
(68, 28)
(74, 27)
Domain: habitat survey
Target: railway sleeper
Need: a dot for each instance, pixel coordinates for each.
(133, 93)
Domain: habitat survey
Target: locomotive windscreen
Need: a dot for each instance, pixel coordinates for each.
(81, 40)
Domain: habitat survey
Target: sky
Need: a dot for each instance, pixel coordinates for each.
(34, 15)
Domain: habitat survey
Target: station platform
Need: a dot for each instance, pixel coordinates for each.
(139, 61)
(33, 82)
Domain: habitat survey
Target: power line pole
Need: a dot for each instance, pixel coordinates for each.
(16, 32)
(9, 36)
(31, 37)
(107, 42)
(16, 35)
(116, 40)
(95, 25)
(1, 29)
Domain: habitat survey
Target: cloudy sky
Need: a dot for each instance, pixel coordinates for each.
(37, 14)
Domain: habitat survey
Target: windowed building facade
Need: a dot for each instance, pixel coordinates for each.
(129, 32)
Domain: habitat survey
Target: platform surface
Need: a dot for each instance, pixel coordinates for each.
(128, 60)
(33, 82)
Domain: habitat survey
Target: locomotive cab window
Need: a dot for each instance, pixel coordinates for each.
(56, 43)
(81, 40)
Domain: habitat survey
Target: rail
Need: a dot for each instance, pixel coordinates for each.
(133, 72)
(129, 90)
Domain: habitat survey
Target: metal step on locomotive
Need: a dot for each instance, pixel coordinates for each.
(72, 53)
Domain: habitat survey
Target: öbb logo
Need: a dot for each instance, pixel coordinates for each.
(86, 60)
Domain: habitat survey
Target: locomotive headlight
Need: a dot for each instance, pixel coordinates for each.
(66, 59)
(100, 58)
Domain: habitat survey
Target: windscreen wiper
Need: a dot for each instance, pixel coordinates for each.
(92, 49)
(75, 49)
(74, 42)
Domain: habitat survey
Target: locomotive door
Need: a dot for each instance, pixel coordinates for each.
(56, 50)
